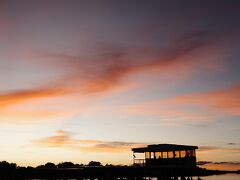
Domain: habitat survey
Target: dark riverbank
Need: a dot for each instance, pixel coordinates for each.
(106, 172)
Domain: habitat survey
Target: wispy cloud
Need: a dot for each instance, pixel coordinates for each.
(225, 100)
(43, 115)
(172, 111)
(227, 156)
(166, 113)
(233, 144)
(111, 63)
(19, 96)
(64, 139)
(106, 69)
(209, 149)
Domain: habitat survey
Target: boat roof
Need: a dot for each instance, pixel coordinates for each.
(164, 147)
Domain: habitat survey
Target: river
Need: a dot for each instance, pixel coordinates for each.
(217, 177)
(222, 177)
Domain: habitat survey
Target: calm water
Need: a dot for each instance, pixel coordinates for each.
(220, 177)
(215, 177)
(223, 177)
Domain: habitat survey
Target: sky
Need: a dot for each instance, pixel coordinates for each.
(89, 80)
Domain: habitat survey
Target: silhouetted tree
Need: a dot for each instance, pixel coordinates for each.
(30, 167)
(50, 165)
(66, 165)
(40, 166)
(94, 163)
(4, 165)
(108, 165)
(78, 165)
(7, 170)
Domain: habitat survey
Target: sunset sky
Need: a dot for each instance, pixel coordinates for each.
(89, 80)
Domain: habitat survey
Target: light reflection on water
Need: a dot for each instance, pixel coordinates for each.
(223, 177)
(217, 177)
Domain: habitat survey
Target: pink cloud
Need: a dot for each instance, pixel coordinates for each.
(226, 100)
(182, 109)
(107, 70)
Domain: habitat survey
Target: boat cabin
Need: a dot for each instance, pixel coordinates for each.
(165, 155)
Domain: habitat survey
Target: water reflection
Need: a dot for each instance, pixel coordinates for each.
(222, 177)
(217, 177)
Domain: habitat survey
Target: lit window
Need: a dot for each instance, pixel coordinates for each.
(183, 154)
(176, 154)
(158, 155)
(170, 154)
(147, 154)
(164, 154)
(152, 155)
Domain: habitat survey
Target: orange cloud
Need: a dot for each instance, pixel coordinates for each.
(64, 139)
(19, 96)
(60, 139)
(163, 114)
(223, 154)
(173, 111)
(226, 100)
(107, 69)
(157, 108)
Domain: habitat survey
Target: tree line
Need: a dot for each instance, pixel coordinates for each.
(4, 165)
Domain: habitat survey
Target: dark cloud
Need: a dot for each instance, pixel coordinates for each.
(227, 163)
(232, 144)
(200, 163)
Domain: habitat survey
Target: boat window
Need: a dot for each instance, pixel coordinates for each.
(147, 155)
(170, 154)
(183, 154)
(190, 153)
(158, 155)
(176, 154)
(194, 153)
(164, 154)
(152, 155)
